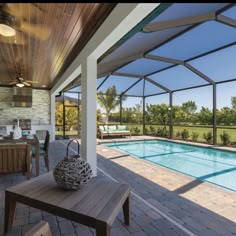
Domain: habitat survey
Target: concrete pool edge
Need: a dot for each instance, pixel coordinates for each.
(140, 138)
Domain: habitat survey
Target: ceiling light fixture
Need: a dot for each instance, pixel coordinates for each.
(20, 85)
(5, 25)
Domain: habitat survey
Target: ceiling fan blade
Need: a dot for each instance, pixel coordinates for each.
(27, 84)
(32, 82)
(6, 82)
(22, 10)
(12, 83)
(39, 31)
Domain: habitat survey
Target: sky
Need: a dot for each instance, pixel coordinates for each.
(217, 66)
(202, 96)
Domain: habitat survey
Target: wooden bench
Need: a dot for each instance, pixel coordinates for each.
(96, 204)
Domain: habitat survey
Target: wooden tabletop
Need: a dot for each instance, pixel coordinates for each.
(22, 139)
(99, 199)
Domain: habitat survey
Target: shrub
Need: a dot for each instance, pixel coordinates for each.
(152, 130)
(178, 134)
(162, 132)
(195, 136)
(225, 138)
(136, 130)
(159, 131)
(145, 131)
(185, 134)
(208, 137)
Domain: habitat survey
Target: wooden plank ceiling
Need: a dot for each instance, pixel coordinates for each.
(48, 38)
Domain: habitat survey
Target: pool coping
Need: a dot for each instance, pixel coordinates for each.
(140, 138)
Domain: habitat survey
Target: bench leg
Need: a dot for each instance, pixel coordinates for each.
(102, 228)
(126, 210)
(10, 205)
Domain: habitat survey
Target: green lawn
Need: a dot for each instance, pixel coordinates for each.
(200, 130)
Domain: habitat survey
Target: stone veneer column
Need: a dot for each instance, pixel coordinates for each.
(88, 114)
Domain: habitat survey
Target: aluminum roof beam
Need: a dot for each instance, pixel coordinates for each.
(226, 20)
(128, 75)
(189, 20)
(157, 84)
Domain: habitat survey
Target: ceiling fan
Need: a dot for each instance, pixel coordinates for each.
(13, 20)
(20, 82)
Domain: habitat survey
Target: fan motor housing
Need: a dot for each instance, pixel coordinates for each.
(7, 19)
(20, 78)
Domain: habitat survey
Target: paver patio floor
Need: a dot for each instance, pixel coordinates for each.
(163, 202)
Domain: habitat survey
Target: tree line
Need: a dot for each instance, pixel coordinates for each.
(182, 114)
(187, 113)
(160, 113)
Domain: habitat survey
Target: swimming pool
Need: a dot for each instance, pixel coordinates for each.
(210, 165)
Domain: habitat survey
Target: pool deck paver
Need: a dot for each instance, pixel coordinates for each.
(212, 198)
(157, 193)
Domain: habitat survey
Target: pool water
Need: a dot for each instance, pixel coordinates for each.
(207, 164)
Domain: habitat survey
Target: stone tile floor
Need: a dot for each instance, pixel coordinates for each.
(163, 202)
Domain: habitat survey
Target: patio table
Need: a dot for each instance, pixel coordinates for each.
(96, 204)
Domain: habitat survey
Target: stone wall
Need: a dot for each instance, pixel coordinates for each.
(39, 113)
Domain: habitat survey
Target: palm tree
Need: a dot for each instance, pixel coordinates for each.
(109, 101)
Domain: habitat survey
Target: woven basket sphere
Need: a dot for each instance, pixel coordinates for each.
(72, 172)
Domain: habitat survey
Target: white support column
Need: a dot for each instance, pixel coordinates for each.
(121, 20)
(52, 117)
(88, 108)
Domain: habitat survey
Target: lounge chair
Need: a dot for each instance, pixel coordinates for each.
(113, 130)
